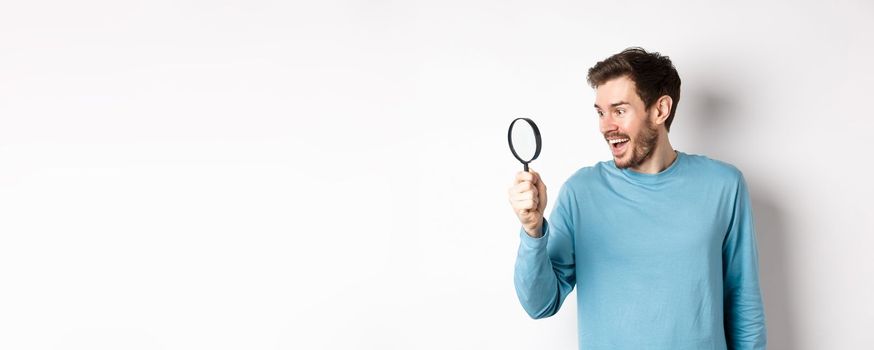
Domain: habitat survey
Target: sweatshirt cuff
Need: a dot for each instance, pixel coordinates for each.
(535, 243)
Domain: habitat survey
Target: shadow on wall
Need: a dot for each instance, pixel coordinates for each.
(774, 275)
(717, 127)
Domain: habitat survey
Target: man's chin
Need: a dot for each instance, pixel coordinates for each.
(620, 163)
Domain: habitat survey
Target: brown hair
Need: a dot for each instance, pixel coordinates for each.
(653, 74)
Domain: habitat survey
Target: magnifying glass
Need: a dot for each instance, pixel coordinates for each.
(524, 139)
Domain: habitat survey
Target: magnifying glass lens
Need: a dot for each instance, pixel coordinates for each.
(523, 141)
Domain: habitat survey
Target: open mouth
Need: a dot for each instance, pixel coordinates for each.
(618, 145)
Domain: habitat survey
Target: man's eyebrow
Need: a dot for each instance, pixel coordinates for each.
(615, 104)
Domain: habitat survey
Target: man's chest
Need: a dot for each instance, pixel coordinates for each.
(655, 224)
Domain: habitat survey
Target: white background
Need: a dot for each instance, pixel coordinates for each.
(333, 175)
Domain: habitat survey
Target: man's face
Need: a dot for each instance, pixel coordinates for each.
(622, 116)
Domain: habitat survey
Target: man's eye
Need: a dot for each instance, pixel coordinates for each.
(621, 111)
(600, 114)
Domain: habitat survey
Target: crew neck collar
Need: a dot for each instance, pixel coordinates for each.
(653, 178)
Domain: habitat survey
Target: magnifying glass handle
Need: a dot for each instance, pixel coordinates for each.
(526, 167)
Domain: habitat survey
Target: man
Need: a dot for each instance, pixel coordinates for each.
(660, 243)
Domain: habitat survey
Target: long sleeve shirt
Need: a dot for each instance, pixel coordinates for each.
(660, 261)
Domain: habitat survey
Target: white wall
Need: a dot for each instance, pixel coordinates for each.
(332, 175)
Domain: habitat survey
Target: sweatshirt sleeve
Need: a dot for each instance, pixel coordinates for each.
(744, 311)
(544, 273)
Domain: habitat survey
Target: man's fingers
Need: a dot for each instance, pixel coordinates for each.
(525, 196)
(535, 175)
(521, 196)
(525, 204)
(525, 176)
(522, 187)
(527, 192)
(541, 187)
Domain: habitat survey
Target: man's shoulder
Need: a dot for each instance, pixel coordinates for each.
(588, 174)
(590, 170)
(716, 169)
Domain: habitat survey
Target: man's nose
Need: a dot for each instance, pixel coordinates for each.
(607, 124)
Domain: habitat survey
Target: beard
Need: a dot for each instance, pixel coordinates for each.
(643, 147)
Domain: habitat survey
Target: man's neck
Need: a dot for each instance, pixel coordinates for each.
(662, 157)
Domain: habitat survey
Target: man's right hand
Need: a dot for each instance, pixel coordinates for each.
(528, 199)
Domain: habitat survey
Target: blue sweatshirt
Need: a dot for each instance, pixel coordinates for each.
(660, 261)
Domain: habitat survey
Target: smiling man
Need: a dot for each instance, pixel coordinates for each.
(659, 243)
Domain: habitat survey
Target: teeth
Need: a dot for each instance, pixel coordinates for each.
(617, 141)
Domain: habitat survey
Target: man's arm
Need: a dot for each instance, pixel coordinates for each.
(744, 311)
(544, 273)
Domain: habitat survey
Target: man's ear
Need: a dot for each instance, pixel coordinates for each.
(662, 109)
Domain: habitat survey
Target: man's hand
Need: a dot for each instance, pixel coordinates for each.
(528, 199)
